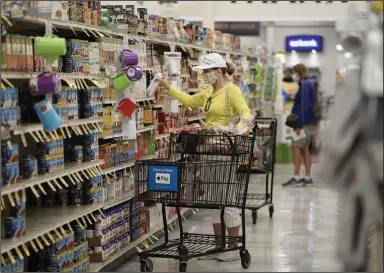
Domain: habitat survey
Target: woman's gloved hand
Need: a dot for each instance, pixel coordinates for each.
(164, 83)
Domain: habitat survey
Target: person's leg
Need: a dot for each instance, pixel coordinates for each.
(216, 231)
(308, 165)
(297, 156)
(232, 220)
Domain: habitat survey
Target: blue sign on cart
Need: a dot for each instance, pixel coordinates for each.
(163, 178)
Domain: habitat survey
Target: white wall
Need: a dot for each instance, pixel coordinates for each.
(326, 60)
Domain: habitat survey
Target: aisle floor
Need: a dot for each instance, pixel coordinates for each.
(301, 236)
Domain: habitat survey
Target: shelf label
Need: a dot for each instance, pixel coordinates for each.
(34, 246)
(26, 251)
(163, 178)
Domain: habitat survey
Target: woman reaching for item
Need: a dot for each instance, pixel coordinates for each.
(304, 109)
(221, 102)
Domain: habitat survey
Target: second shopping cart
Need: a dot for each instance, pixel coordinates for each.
(207, 171)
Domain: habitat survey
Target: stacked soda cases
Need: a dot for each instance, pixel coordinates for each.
(82, 148)
(68, 253)
(90, 102)
(14, 218)
(66, 103)
(138, 221)
(110, 233)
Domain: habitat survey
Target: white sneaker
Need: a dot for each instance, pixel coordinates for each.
(209, 257)
(229, 256)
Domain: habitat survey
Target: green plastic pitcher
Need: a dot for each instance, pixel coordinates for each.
(121, 82)
(50, 46)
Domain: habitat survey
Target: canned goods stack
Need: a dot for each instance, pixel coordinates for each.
(138, 221)
(10, 163)
(118, 153)
(82, 148)
(110, 233)
(66, 103)
(15, 223)
(50, 156)
(18, 266)
(10, 114)
(65, 255)
(29, 166)
(94, 190)
(90, 103)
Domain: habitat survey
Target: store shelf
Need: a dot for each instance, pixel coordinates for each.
(69, 168)
(198, 118)
(126, 196)
(96, 267)
(124, 166)
(102, 32)
(157, 105)
(146, 129)
(39, 127)
(30, 75)
(158, 137)
(145, 99)
(43, 220)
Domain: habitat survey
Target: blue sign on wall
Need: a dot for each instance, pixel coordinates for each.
(303, 43)
(163, 178)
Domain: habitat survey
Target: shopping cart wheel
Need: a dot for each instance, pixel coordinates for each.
(146, 265)
(254, 216)
(271, 210)
(245, 258)
(182, 267)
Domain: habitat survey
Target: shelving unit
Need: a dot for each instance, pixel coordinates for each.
(43, 223)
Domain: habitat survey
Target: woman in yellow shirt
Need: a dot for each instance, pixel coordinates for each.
(222, 102)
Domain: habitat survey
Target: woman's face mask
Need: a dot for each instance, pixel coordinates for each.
(210, 77)
(294, 77)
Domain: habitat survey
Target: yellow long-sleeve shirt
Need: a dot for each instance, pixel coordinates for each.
(217, 113)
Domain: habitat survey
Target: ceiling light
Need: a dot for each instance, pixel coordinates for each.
(313, 51)
(294, 51)
(347, 55)
(339, 48)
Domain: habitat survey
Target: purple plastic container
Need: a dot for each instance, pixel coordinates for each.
(134, 73)
(45, 83)
(128, 58)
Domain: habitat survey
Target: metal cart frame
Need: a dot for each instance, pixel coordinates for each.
(267, 143)
(231, 193)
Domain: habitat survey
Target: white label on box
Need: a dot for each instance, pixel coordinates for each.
(163, 178)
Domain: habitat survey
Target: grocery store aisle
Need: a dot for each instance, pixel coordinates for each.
(301, 236)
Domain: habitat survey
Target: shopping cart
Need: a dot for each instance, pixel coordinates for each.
(222, 164)
(263, 163)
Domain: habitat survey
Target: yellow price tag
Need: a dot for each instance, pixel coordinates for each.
(42, 189)
(89, 220)
(93, 217)
(72, 181)
(51, 186)
(34, 246)
(35, 192)
(2, 202)
(57, 184)
(63, 181)
(84, 222)
(58, 234)
(3, 261)
(11, 257)
(26, 251)
(101, 212)
(78, 222)
(24, 198)
(51, 238)
(17, 198)
(19, 253)
(69, 227)
(39, 244)
(11, 200)
(63, 231)
(85, 175)
(45, 240)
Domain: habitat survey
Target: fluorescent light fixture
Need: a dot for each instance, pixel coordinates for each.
(314, 51)
(347, 55)
(294, 51)
(339, 48)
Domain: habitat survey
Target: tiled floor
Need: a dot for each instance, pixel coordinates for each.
(301, 236)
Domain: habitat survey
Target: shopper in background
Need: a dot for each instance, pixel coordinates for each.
(222, 102)
(304, 108)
